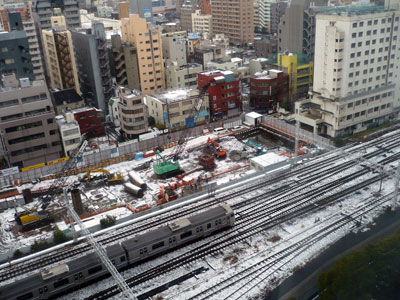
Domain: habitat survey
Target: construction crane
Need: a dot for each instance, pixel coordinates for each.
(164, 167)
(110, 177)
(35, 216)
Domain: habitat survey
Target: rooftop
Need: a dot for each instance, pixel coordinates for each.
(67, 96)
(174, 95)
(352, 10)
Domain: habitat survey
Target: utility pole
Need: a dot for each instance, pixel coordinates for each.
(101, 253)
(296, 142)
(396, 186)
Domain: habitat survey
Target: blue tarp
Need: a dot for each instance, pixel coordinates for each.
(139, 156)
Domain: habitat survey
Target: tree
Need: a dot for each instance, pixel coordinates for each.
(369, 273)
(39, 245)
(59, 237)
(18, 253)
(151, 121)
(108, 221)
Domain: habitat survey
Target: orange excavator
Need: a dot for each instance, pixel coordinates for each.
(218, 150)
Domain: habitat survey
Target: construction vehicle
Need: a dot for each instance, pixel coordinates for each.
(109, 177)
(38, 214)
(259, 149)
(164, 167)
(218, 150)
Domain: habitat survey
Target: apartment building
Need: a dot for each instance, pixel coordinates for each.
(202, 24)
(147, 40)
(60, 56)
(355, 75)
(93, 65)
(182, 76)
(132, 113)
(23, 8)
(235, 19)
(43, 10)
(123, 10)
(34, 49)
(175, 108)
(66, 100)
(27, 123)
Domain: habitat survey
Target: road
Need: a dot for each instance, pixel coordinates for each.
(305, 281)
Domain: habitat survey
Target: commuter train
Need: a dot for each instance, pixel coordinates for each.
(48, 283)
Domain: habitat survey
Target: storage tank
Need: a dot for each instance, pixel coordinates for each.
(136, 180)
(133, 189)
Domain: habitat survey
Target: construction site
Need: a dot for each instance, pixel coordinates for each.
(139, 184)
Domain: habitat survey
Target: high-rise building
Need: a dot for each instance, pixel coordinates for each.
(60, 57)
(186, 11)
(93, 65)
(14, 55)
(355, 74)
(143, 8)
(27, 123)
(276, 11)
(235, 19)
(296, 30)
(124, 63)
(202, 24)
(43, 10)
(123, 10)
(147, 40)
(34, 48)
(182, 76)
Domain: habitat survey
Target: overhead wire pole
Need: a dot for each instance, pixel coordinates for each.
(101, 252)
(296, 142)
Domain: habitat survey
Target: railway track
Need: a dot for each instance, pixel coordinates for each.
(19, 269)
(260, 221)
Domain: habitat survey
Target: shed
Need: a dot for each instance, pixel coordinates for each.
(263, 161)
(253, 118)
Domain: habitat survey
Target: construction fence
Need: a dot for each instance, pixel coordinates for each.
(302, 134)
(124, 151)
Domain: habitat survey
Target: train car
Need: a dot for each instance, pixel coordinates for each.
(178, 233)
(68, 276)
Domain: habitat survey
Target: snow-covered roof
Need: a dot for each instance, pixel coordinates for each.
(267, 159)
(174, 95)
(254, 115)
(236, 59)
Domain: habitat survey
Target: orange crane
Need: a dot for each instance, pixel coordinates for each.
(219, 151)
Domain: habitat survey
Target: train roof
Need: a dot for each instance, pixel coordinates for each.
(176, 227)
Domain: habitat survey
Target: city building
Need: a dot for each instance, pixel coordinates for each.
(300, 69)
(207, 51)
(113, 115)
(265, 45)
(147, 40)
(43, 10)
(187, 9)
(258, 65)
(66, 100)
(124, 63)
(355, 85)
(235, 19)
(104, 11)
(132, 113)
(276, 9)
(143, 8)
(227, 63)
(174, 48)
(182, 76)
(296, 30)
(224, 93)
(60, 57)
(94, 67)
(27, 125)
(202, 24)
(34, 49)
(69, 132)
(269, 90)
(14, 55)
(23, 8)
(90, 121)
(171, 26)
(174, 109)
(123, 10)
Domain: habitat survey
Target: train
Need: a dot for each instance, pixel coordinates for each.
(77, 272)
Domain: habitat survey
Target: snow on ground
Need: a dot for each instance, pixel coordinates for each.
(97, 196)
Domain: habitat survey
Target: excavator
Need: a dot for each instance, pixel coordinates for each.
(109, 177)
(219, 151)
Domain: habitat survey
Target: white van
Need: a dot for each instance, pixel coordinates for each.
(220, 130)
